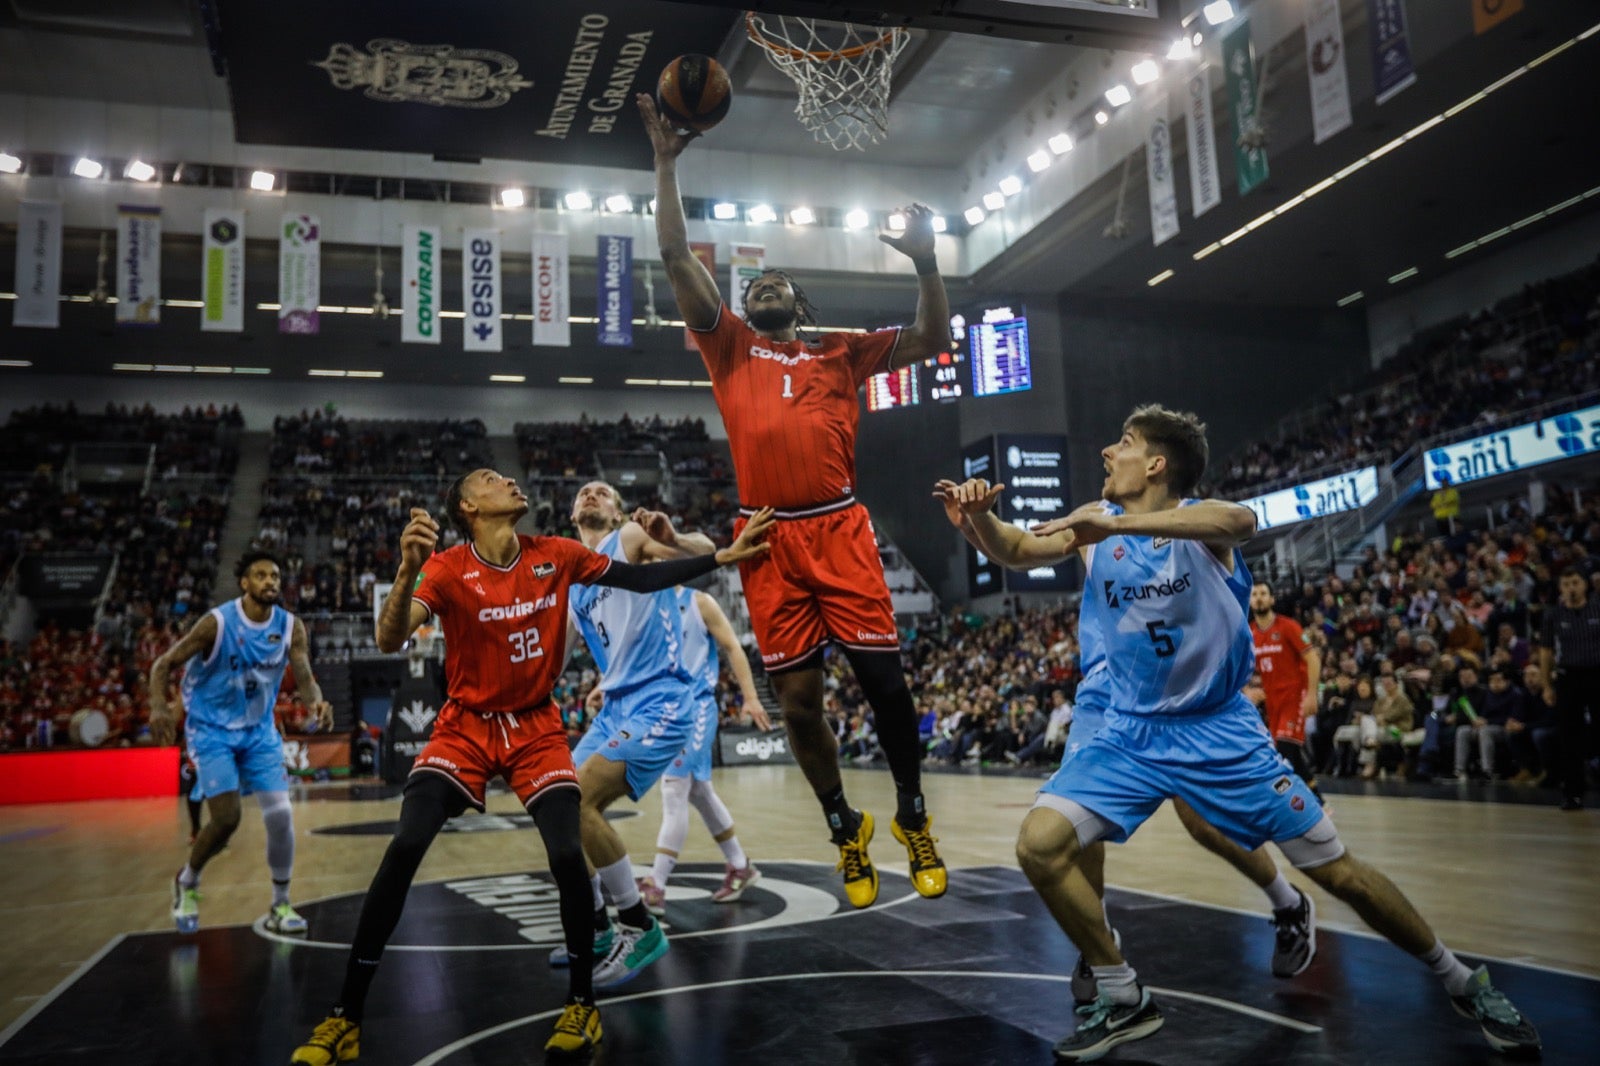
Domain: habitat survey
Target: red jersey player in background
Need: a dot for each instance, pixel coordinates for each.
(1291, 669)
(790, 409)
(501, 598)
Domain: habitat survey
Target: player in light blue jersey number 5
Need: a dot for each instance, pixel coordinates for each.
(1167, 592)
(234, 659)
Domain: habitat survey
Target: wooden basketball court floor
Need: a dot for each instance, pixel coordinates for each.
(91, 970)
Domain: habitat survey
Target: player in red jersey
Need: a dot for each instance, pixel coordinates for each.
(1291, 669)
(790, 408)
(502, 601)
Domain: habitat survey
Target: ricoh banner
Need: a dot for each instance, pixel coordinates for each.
(222, 272)
(138, 265)
(552, 293)
(299, 274)
(1330, 495)
(38, 302)
(422, 254)
(480, 288)
(614, 301)
(1508, 451)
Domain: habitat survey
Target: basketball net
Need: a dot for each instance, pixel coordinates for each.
(841, 70)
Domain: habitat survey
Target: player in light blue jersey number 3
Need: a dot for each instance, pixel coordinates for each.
(234, 658)
(1167, 592)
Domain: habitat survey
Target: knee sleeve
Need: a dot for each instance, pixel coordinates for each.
(1318, 846)
(675, 792)
(712, 810)
(278, 818)
(1089, 826)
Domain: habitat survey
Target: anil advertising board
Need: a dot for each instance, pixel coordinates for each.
(1330, 495)
(1562, 436)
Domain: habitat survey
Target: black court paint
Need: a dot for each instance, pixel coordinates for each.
(792, 975)
(470, 822)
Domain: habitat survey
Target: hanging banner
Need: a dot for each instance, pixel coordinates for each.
(1249, 148)
(745, 261)
(1330, 88)
(1392, 69)
(552, 293)
(1487, 14)
(1205, 184)
(1158, 168)
(422, 254)
(38, 302)
(299, 274)
(706, 252)
(138, 265)
(222, 272)
(614, 302)
(480, 290)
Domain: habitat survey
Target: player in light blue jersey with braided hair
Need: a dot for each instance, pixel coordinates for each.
(234, 660)
(1168, 592)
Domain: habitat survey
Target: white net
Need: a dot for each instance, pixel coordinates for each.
(841, 70)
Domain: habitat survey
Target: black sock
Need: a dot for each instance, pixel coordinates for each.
(194, 817)
(556, 815)
(636, 916)
(842, 821)
(909, 811)
(883, 682)
(602, 920)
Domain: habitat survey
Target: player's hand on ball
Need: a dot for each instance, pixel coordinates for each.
(418, 540)
(657, 526)
(749, 542)
(668, 142)
(975, 496)
(916, 240)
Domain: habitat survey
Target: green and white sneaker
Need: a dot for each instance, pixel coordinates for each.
(283, 918)
(1507, 1031)
(185, 906)
(632, 951)
(1105, 1024)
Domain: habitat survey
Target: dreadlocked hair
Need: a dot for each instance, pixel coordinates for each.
(805, 312)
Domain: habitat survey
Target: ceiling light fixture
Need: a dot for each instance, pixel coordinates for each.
(1408, 272)
(1159, 278)
(1181, 49)
(856, 219)
(619, 204)
(1060, 144)
(513, 197)
(1011, 185)
(578, 200)
(87, 168)
(974, 215)
(509, 379)
(263, 180)
(138, 170)
(993, 201)
(1118, 95)
(1218, 11)
(802, 216)
(897, 222)
(9, 164)
(1346, 301)
(1039, 160)
(1145, 71)
(724, 211)
(1101, 118)
(575, 381)
(939, 224)
(762, 213)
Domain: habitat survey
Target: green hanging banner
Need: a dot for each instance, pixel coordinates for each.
(1249, 139)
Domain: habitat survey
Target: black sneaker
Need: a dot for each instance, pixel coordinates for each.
(1105, 1024)
(1297, 938)
(1507, 1031)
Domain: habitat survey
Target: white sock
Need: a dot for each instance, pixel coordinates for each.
(599, 896)
(732, 852)
(663, 868)
(1282, 893)
(1117, 983)
(1447, 968)
(620, 886)
(188, 878)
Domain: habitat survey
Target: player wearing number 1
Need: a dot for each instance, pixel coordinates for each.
(790, 408)
(502, 601)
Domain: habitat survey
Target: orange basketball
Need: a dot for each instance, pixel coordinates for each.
(694, 93)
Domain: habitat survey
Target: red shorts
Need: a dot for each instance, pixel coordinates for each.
(822, 581)
(528, 749)
(1285, 718)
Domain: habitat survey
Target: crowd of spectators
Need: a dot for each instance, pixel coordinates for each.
(324, 442)
(1475, 371)
(191, 441)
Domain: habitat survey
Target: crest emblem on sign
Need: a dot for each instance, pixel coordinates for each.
(442, 75)
(417, 716)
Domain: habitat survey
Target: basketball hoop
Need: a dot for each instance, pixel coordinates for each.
(841, 70)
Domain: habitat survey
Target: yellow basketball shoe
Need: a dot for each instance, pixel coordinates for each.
(927, 869)
(860, 876)
(577, 1031)
(335, 1039)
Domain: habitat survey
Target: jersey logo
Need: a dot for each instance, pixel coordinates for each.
(1117, 553)
(543, 569)
(758, 352)
(1297, 803)
(418, 583)
(1160, 542)
(418, 715)
(1282, 785)
(1111, 593)
(1133, 593)
(471, 575)
(275, 638)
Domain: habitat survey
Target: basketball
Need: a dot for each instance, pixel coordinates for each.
(694, 93)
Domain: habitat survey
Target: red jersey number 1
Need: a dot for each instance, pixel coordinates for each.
(788, 387)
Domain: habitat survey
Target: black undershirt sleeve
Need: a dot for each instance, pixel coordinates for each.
(656, 576)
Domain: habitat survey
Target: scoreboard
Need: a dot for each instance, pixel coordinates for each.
(945, 377)
(1000, 359)
(988, 357)
(893, 388)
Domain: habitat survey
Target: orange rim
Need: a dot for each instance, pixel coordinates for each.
(750, 20)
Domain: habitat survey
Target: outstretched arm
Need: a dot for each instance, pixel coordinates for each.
(305, 681)
(1013, 548)
(692, 284)
(664, 575)
(930, 333)
(198, 641)
(722, 632)
(650, 537)
(401, 615)
(1218, 524)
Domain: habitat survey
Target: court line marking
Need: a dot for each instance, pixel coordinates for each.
(1344, 928)
(260, 929)
(50, 997)
(438, 1056)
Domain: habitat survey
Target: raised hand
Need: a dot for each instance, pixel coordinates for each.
(944, 490)
(667, 141)
(916, 240)
(656, 525)
(749, 543)
(418, 539)
(1089, 524)
(975, 496)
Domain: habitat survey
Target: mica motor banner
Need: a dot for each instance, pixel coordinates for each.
(299, 274)
(422, 254)
(614, 299)
(138, 265)
(552, 292)
(480, 291)
(222, 271)
(38, 302)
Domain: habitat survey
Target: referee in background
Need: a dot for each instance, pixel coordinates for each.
(1569, 662)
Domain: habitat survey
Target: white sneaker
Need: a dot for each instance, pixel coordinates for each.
(283, 918)
(185, 907)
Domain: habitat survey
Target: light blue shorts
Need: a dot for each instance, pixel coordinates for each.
(1223, 765)
(695, 758)
(236, 760)
(646, 729)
